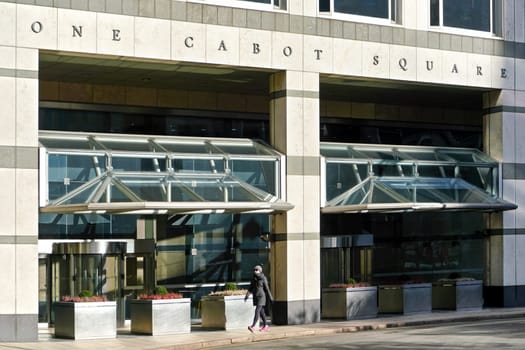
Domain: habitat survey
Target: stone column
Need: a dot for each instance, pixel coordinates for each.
(504, 140)
(295, 252)
(19, 185)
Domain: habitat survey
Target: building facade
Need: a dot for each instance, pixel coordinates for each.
(121, 82)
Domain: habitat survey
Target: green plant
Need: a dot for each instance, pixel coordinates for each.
(85, 293)
(230, 286)
(160, 290)
(351, 281)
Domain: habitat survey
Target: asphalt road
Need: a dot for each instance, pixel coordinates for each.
(482, 335)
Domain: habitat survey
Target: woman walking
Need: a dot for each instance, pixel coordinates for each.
(261, 294)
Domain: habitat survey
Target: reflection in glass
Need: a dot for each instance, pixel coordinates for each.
(370, 8)
(471, 14)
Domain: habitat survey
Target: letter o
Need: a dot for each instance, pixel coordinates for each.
(37, 27)
(287, 51)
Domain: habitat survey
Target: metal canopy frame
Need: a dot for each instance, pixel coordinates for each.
(117, 174)
(384, 178)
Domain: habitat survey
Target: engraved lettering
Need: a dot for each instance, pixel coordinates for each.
(222, 46)
(504, 73)
(77, 31)
(318, 52)
(478, 70)
(37, 27)
(403, 64)
(376, 60)
(188, 42)
(287, 51)
(455, 69)
(256, 48)
(430, 65)
(116, 35)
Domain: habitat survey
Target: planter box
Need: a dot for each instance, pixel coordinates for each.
(226, 312)
(158, 317)
(405, 298)
(457, 295)
(349, 303)
(86, 320)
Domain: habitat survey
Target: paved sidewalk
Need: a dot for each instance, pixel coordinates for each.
(200, 339)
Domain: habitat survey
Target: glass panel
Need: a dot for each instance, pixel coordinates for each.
(219, 190)
(247, 149)
(146, 188)
(260, 174)
(471, 14)
(324, 5)
(69, 226)
(434, 13)
(341, 177)
(183, 147)
(371, 8)
(81, 143)
(392, 170)
(406, 247)
(121, 145)
(68, 172)
(260, 1)
(208, 248)
(497, 17)
(436, 170)
(138, 164)
(198, 165)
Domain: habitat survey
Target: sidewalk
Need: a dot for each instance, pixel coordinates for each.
(200, 339)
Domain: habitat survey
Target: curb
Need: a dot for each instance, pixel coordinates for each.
(339, 329)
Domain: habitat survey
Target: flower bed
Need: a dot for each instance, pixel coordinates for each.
(85, 317)
(160, 312)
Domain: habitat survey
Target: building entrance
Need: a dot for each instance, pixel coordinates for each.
(97, 267)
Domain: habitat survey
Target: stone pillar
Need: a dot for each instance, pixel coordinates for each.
(19, 185)
(295, 251)
(504, 140)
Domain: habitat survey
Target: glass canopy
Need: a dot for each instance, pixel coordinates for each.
(383, 178)
(116, 174)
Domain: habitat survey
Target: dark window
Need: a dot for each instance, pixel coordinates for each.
(324, 5)
(260, 1)
(434, 12)
(471, 14)
(152, 124)
(370, 8)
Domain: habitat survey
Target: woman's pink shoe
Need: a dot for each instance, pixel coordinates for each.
(264, 329)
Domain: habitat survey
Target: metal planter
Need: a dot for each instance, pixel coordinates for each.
(159, 317)
(349, 303)
(405, 298)
(226, 312)
(457, 295)
(86, 320)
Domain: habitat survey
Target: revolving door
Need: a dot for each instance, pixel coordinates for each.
(97, 267)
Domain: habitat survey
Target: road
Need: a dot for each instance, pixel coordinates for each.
(483, 335)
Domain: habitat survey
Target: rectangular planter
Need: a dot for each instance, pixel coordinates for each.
(159, 317)
(86, 320)
(226, 312)
(405, 298)
(349, 303)
(457, 295)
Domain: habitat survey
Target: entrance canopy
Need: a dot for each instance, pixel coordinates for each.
(379, 178)
(114, 174)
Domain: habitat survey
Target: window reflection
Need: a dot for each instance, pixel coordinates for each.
(370, 8)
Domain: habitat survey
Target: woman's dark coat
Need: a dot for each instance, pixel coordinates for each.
(260, 290)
